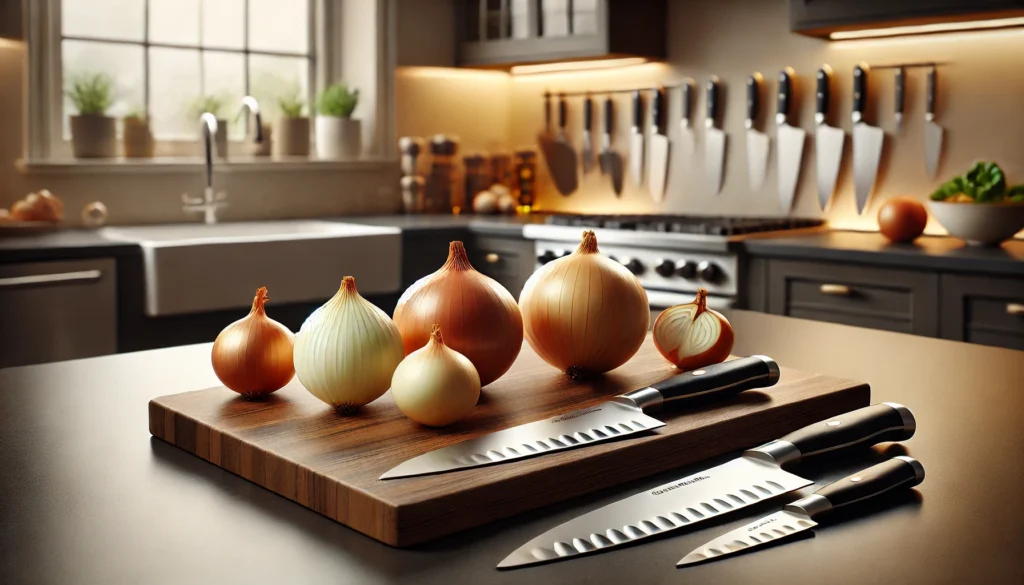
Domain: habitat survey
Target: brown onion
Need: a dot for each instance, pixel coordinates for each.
(480, 319)
(692, 336)
(253, 356)
(902, 219)
(585, 313)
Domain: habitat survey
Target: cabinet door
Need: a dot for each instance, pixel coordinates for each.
(877, 298)
(826, 15)
(983, 309)
(53, 311)
(510, 261)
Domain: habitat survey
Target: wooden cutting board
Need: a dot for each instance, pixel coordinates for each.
(296, 446)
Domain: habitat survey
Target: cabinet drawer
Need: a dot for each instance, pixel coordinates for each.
(983, 309)
(510, 261)
(877, 298)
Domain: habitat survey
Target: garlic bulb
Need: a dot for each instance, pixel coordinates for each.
(347, 350)
(436, 385)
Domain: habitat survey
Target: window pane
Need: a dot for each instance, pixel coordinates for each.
(123, 63)
(274, 78)
(174, 84)
(224, 78)
(279, 26)
(174, 21)
(109, 19)
(224, 23)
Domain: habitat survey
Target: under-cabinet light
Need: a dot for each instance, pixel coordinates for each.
(575, 66)
(920, 29)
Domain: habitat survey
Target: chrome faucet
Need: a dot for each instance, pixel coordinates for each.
(211, 201)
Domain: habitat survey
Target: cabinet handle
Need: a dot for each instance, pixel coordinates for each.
(48, 279)
(492, 258)
(837, 290)
(1014, 309)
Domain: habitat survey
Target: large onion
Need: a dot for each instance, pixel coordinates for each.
(347, 350)
(691, 335)
(253, 356)
(585, 313)
(480, 319)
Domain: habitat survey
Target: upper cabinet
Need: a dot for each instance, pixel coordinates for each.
(10, 19)
(511, 32)
(825, 17)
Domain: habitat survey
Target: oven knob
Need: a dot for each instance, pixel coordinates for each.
(546, 256)
(633, 265)
(708, 271)
(688, 269)
(665, 267)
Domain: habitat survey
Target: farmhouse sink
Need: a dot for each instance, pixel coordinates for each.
(196, 268)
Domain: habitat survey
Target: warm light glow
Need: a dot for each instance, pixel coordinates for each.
(450, 73)
(575, 66)
(919, 29)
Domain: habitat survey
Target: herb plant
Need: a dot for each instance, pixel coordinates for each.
(91, 93)
(338, 101)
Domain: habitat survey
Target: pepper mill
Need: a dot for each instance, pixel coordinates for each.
(478, 177)
(441, 184)
(525, 178)
(410, 147)
(413, 193)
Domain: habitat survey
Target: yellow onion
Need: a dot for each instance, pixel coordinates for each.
(435, 385)
(480, 319)
(692, 336)
(253, 356)
(347, 350)
(585, 313)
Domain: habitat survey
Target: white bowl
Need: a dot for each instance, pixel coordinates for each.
(979, 224)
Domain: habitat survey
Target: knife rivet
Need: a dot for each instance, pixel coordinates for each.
(855, 479)
(699, 372)
(834, 423)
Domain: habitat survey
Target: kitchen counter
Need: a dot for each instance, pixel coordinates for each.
(928, 252)
(63, 244)
(89, 497)
(510, 225)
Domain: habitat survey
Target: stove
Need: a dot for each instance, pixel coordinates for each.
(671, 255)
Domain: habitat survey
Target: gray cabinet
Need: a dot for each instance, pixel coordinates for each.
(510, 260)
(11, 19)
(822, 17)
(983, 309)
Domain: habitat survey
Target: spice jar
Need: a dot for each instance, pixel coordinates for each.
(526, 177)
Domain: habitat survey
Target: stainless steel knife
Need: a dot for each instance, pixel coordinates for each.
(758, 143)
(636, 141)
(587, 148)
(828, 140)
(616, 418)
(657, 175)
(932, 131)
(686, 117)
(791, 142)
(610, 160)
(900, 472)
(899, 84)
(755, 476)
(714, 139)
(867, 140)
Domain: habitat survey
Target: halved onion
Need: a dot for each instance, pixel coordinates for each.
(692, 336)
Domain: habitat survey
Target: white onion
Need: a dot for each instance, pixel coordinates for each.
(436, 385)
(692, 336)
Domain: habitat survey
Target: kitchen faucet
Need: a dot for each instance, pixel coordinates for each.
(210, 202)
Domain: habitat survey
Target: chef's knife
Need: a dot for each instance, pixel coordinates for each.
(613, 419)
(899, 84)
(587, 148)
(659, 148)
(900, 472)
(932, 131)
(636, 141)
(753, 477)
(828, 140)
(758, 143)
(791, 142)
(686, 115)
(611, 161)
(714, 139)
(867, 140)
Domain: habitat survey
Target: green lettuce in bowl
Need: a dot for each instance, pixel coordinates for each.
(985, 182)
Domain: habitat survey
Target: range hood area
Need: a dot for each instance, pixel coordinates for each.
(845, 20)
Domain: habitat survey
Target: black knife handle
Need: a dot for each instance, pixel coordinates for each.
(785, 93)
(823, 92)
(712, 99)
(588, 112)
(609, 115)
(718, 380)
(562, 112)
(547, 110)
(687, 94)
(658, 110)
(638, 110)
(899, 472)
(930, 99)
(899, 87)
(860, 91)
(753, 97)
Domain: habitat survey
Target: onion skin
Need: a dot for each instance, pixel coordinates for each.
(347, 351)
(436, 385)
(253, 356)
(584, 313)
(681, 327)
(480, 319)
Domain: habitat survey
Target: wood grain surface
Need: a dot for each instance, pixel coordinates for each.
(296, 446)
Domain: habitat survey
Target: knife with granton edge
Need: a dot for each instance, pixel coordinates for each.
(618, 417)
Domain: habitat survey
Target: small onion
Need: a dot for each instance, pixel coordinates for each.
(347, 350)
(435, 385)
(480, 319)
(253, 356)
(692, 336)
(584, 313)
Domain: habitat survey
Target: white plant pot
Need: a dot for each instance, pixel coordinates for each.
(291, 137)
(93, 136)
(338, 138)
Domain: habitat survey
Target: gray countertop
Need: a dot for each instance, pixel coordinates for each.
(511, 225)
(61, 244)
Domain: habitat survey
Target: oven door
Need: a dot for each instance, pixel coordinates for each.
(661, 300)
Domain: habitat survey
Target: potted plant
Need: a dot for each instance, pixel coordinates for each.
(214, 104)
(93, 133)
(338, 136)
(137, 135)
(292, 138)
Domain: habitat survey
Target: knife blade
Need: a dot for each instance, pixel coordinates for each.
(636, 141)
(932, 131)
(611, 161)
(714, 139)
(791, 142)
(756, 475)
(758, 143)
(828, 140)
(659, 148)
(619, 417)
(900, 472)
(867, 140)
(899, 84)
(587, 148)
